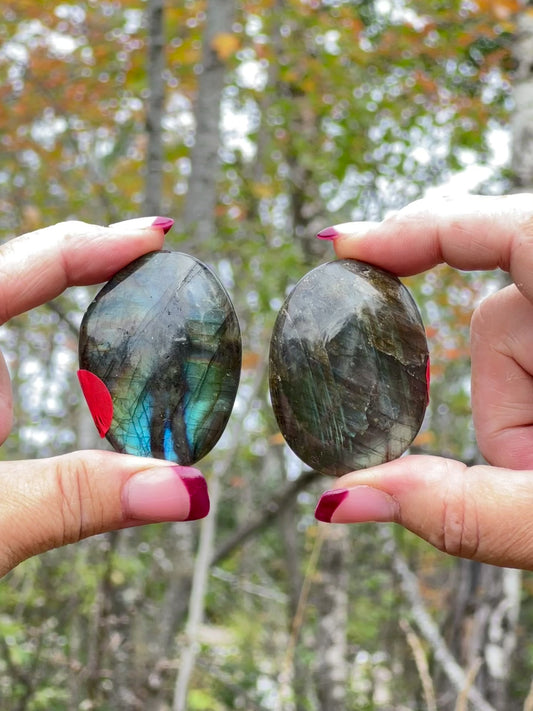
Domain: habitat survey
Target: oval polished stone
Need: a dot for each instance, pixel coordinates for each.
(348, 367)
(160, 358)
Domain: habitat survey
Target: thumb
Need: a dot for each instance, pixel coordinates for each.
(478, 512)
(47, 503)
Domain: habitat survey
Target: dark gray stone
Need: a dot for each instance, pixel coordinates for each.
(348, 367)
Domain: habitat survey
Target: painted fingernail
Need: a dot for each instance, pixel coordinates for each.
(329, 233)
(98, 399)
(140, 223)
(166, 494)
(328, 503)
(350, 230)
(356, 505)
(164, 223)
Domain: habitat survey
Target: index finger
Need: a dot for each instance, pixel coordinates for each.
(474, 232)
(38, 266)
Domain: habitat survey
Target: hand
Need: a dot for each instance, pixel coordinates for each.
(50, 502)
(480, 512)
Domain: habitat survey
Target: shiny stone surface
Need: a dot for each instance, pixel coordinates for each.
(163, 338)
(348, 367)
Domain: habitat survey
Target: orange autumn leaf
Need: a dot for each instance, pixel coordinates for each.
(276, 438)
(225, 45)
(424, 438)
(237, 482)
(250, 360)
(436, 370)
(502, 9)
(454, 353)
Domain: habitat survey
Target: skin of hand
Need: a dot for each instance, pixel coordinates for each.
(481, 512)
(50, 502)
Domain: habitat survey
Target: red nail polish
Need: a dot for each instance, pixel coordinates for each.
(165, 223)
(98, 399)
(328, 504)
(328, 233)
(196, 485)
(165, 493)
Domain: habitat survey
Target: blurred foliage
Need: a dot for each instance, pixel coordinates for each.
(333, 110)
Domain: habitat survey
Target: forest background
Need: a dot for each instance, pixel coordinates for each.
(255, 123)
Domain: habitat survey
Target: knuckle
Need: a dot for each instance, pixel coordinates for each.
(77, 508)
(494, 315)
(72, 227)
(479, 317)
(460, 532)
(482, 323)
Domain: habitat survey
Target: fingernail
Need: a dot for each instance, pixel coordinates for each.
(166, 494)
(356, 505)
(98, 399)
(329, 233)
(351, 230)
(164, 223)
(140, 223)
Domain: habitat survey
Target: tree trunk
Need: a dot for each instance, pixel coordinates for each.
(522, 119)
(200, 206)
(154, 107)
(330, 670)
(483, 628)
(459, 680)
(294, 579)
(197, 600)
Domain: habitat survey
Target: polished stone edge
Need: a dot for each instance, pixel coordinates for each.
(96, 393)
(284, 309)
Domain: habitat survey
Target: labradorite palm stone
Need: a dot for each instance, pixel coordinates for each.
(348, 363)
(164, 338)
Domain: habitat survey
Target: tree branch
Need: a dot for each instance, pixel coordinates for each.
(270, 512)
(427, 626)
(57, 309)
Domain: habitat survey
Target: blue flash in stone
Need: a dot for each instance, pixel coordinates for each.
(164, 339)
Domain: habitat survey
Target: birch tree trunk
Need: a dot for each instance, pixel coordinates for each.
(199, 213)
(294, 579)
(457, 676)
(522, 120)
(330, 670)
(483, 628)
